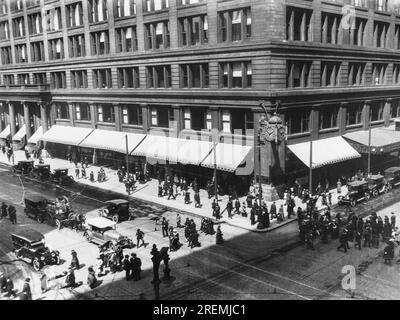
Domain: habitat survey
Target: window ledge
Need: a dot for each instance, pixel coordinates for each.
(149, 13)
(108, 124)
(193, 5)
(354, 126)
(117, 19)
(377, 122)
(83, 121)
(98, 23)
(327, 130)
(134, 126)
(298, 135)
(75, 27)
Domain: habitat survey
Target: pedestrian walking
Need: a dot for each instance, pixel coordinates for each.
(178, 221)
(83, 172)
(219, 236)
(43, 282)
(388, 253)
(187, 196)
(272, 210)
(9, 288)
(197, 203)
(136, 267)
(164, 227)
(12, 214)
(91, 279)
(139, 237)
(26, 289)
(77, 172)
(74, 261)
(229, 207)
(171, 192)
(343, 239)
(3, 210)
(358, 240)
(393, 220)
(91, 176)
(339, 186)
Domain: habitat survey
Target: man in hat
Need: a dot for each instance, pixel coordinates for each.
(136, 267)
(393, 220)
(74, 260)
(91, 280)
(70, 278)
(26, 289)
(343, 239)
(3, 210)
(12, 214)
(164, 226)
(10, 288)
(127, 267)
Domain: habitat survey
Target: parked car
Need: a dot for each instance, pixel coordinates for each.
(29, 244)
(35, 207)
(117, 210)
(102, 232)
(61, 177)
(41, 171)
(392, 176)
(23, 167)
(376, 184)
(357, 191)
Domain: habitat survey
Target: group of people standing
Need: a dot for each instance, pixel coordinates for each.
(173, 186)
(9, 211)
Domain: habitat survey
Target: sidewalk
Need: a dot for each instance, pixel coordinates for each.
(148, 192)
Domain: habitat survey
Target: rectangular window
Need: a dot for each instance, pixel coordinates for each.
(62, 110)
(328, 117)
(4, 30)
(132, 114)
(381, 5)
(226, 121)
(23, 79)
(3, 7)
(380, 34)
(76, 46)
(330, 72)
(194, 75)
(53, 19)
(37, 51)
(161, 116)
(193, 30)
(234, 25)
(154, 5)
(356, 74)
(35, 23)
(124, 8)
(395, 109)
(126, 39)
(9, 79)
(74, 13)
(376, 111)
(21, 53)
(6, 57)
(79, 79)
(39, 78)
(105, 113)
(235, 74)
(330, 28)
(56, 49)
(379, 73)
(18, 27)
(298, 74)
(128, 77)
(158, 76)
(82, 111)
(58, 80)
(102, 78)
(298, 24)
(298, 121)
(97, 10)
(396, 74)
(353, 114)
(99, 42)
(187, 2)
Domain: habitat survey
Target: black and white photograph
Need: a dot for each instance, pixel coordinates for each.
(207, 151)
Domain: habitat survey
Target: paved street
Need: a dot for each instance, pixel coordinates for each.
(249, 265)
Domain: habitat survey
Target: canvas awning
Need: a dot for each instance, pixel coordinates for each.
(228, 156)
(112, 140)
(36, 136)
(5, 133)
(66, 135)
(194, 151)
(324, 151)
(20, 134)
(383, 140)
(159, 147)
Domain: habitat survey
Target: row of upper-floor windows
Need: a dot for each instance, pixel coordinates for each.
(333, 73)
(340, 29)
(236, 74)
(231, 119)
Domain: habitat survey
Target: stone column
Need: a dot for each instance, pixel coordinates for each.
(27, 120)
(365, 114)
(215, 118)
(43, 116)
(145, 117)
(71, 113)
(11, 113)
(1, 116)
(386, 111)
(177, 118)
(93, 114)
(342, 118)
(314, 122)
(117, 116)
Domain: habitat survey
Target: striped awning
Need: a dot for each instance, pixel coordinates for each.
(227, 156)
(36, 136)
(66, 135)
(112, 140)
(5, 134)
(20, 134)
(324, 151)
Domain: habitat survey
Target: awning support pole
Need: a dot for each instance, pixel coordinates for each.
(369, 148)
(127, 157)
(215, 165)
(310, 175)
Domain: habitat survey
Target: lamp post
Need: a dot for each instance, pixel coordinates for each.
(310, 166)
(214, 137)
(369, 148)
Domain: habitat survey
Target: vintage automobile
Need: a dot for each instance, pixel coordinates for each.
(357, 191)
(61, 177)
(41, 171)
(102, 232)
(376, 184)
(117, 210)
(29, 244)
(23, 167)
(55, 213)
(392, 176)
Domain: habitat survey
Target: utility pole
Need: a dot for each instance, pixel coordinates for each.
(215, 164)
(127, 158)
(310, 166)
(369, 148)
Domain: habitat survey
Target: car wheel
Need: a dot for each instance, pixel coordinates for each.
(57, 259)
(115, 218)
(36, 264)
(111, 246)
(389, 187)
(18, 255)
(367, 196)
(58, 224)
(40, 219)
(353, 202)
(87, 236)
(375, 193)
